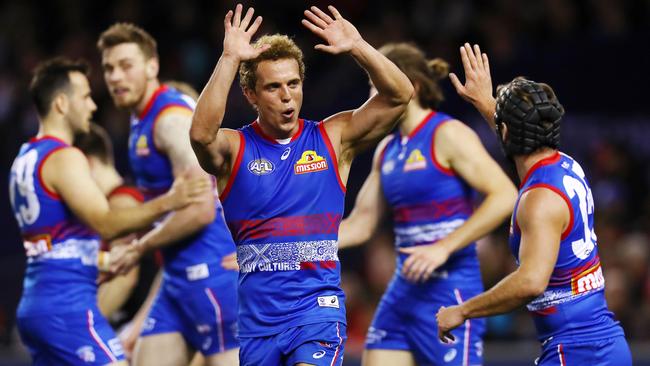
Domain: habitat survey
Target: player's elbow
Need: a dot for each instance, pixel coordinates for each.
(405, 94)
(533, 286)
(205, 215)
(401, 96)
(199, 137)
(107, 232)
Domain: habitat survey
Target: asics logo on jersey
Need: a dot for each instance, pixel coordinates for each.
(310, 162)
(261, 167)
(86, 353)
(415, 161)
(319, 354)
(285, 154)
(450, 355)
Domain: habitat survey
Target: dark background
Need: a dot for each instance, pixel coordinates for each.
(594, 53)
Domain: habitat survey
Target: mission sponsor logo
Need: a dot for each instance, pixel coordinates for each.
(310, 162)
(261, 167)
(591, 279)
(415, 161)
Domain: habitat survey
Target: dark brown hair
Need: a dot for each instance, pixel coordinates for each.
(120, 33)
(50, 77)
(97, 143)
(422, 72)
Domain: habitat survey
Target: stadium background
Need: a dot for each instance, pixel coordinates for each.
(593, 52)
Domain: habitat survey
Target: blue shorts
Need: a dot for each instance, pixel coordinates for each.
(404, 322)
(81, 337)
(205, 316)
(606, 352)
(319, 344)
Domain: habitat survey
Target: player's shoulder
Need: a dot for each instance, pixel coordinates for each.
(67, 154)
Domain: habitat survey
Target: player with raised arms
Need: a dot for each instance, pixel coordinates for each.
(283, 178)
(559, 275)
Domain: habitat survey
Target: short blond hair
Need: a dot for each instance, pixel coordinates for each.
(281, 47)
(120, 33)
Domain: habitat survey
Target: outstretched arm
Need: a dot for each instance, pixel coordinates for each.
(181, 223)
(459, 148)
(369, 207)
(214, 146)
(542, 217)
(353, 131)
(67, 173)
(478, 82)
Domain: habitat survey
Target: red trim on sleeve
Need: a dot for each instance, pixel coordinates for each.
(330, 148)
(129, 191)
(235, 168)
(155, 95)
(546, 161)
(435, 161)
(566, 199)
(47, 137)
(51, 194)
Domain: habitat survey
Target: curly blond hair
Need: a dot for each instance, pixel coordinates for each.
(281, 46)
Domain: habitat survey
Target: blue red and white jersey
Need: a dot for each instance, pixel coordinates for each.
(61, 250)
(428, 201)
(197, 257)
(573, 305)
(283, 205)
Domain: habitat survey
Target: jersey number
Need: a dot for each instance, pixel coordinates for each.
(583, 247)
(22, 180)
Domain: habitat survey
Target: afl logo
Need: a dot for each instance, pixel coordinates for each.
(261, 167)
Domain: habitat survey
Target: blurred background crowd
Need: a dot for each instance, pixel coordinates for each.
(594, 53)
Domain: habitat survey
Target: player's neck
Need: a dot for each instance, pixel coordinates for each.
(278, 134)
(152, 86)
(525, 162)
(56, 127)
(413, 116)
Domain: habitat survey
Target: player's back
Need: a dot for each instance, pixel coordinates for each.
(427, 200)
(283, 204)
(573, 306)
(61, 251)
(197, 257)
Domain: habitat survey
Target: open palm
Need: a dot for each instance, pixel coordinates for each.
(237, 38)
(340, 35)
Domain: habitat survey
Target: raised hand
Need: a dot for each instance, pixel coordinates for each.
(423, 260)
(238, 34)
(478, 82)
(340, 35)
